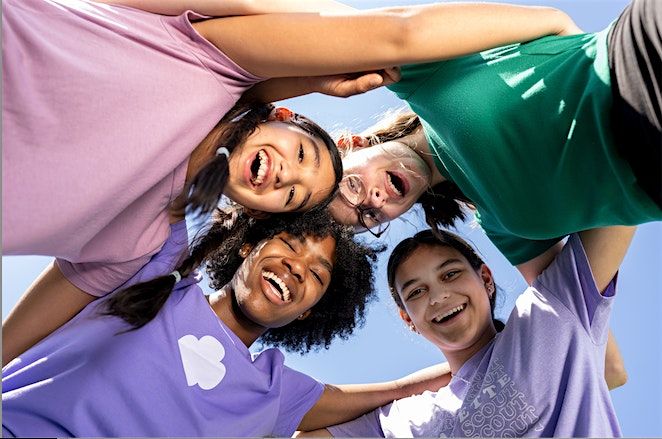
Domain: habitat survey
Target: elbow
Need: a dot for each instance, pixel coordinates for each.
(616, 376)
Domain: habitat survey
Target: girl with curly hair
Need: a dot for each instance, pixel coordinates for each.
(541, 375)
(159, 358)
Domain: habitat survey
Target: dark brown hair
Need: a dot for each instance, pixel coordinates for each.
(441, 238)
(203, 193)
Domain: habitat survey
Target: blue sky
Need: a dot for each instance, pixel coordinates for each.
(384, 349)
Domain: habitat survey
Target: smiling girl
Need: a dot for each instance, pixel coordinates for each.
(541, 375)
(182, 366)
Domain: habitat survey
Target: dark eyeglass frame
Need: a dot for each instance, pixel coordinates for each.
(361, 212)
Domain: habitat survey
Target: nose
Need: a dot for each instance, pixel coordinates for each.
(376, 198)
(296, 267)
(438, 295)
(286, 175)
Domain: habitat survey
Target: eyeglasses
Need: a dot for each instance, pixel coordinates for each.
(354, 192)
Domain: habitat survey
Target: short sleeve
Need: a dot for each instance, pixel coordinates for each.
(413, 76)
(98, 278)
(363, 426)
(570, 280)
(299, 394)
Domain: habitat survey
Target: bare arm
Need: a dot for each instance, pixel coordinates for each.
(333, 85)
(605, 249)
(530, 270)
(222, 8)
(343, 403)
(313, 45)
(615, 373)
(50, 302)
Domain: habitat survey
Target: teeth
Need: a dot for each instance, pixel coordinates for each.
(390, 183)
(449, 313)
(285, 292)
(261, 172)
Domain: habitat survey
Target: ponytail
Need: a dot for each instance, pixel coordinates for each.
(203, 193)
(443, 205)
(140, 303)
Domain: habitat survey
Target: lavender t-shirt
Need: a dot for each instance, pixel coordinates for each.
(183, 374)
(102, 106)
(542, 376)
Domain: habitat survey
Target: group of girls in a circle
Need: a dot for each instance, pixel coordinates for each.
(122, 117)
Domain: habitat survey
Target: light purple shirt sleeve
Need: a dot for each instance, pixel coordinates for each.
(570, 280)
(300, 394)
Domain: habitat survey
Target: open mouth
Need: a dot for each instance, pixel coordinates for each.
(259, 168)
(396, 184)
(277, 286)
(450, 314)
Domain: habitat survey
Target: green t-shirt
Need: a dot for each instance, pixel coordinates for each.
(523, 130)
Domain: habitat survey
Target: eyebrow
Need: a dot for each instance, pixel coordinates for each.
(304, 201)
(439, 267)
(316, 148)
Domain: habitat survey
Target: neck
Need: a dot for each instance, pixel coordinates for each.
(225, 307)
(457, 358)
(419, 144)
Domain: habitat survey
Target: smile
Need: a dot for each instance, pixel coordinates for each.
(277, 286)
(259, 168)
(450, 314)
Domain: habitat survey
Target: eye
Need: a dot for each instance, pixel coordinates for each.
(318, 277)
(290, 196)
(287, 243)
(451, 274)
(415, 293)
(301, 154)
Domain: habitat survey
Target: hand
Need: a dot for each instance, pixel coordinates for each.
(356, 83)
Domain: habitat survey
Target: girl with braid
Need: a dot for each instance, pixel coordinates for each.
(159, 358)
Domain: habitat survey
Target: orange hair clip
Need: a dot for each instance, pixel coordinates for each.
(282, 114)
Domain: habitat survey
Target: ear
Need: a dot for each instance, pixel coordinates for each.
(245, 250)
(257, 214)
(488, 279)
(304, 315)
(405, 317)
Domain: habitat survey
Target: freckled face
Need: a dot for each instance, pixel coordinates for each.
(394, 177)
(284, 277)
(444, 297)
(280, 168)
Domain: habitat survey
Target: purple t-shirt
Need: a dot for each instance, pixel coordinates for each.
(102, 106)
(542, 376)
(183, 374)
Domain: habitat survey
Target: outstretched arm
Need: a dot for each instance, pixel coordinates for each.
(223, 8)
(615, 373)
(285, 45)
(49, 303)
(343, 403)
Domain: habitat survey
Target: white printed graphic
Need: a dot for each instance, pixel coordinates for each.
(202, 360)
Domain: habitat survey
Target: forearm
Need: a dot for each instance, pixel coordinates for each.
(346, 402)
(615, 373)
(278, 89)
(49, 303)
(314, 45)
(222, 8)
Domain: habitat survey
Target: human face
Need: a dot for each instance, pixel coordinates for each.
(280, 168)
(394, 177)
(283, 278)
(445, 298)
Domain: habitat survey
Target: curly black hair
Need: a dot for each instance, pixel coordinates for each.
(338, 312)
